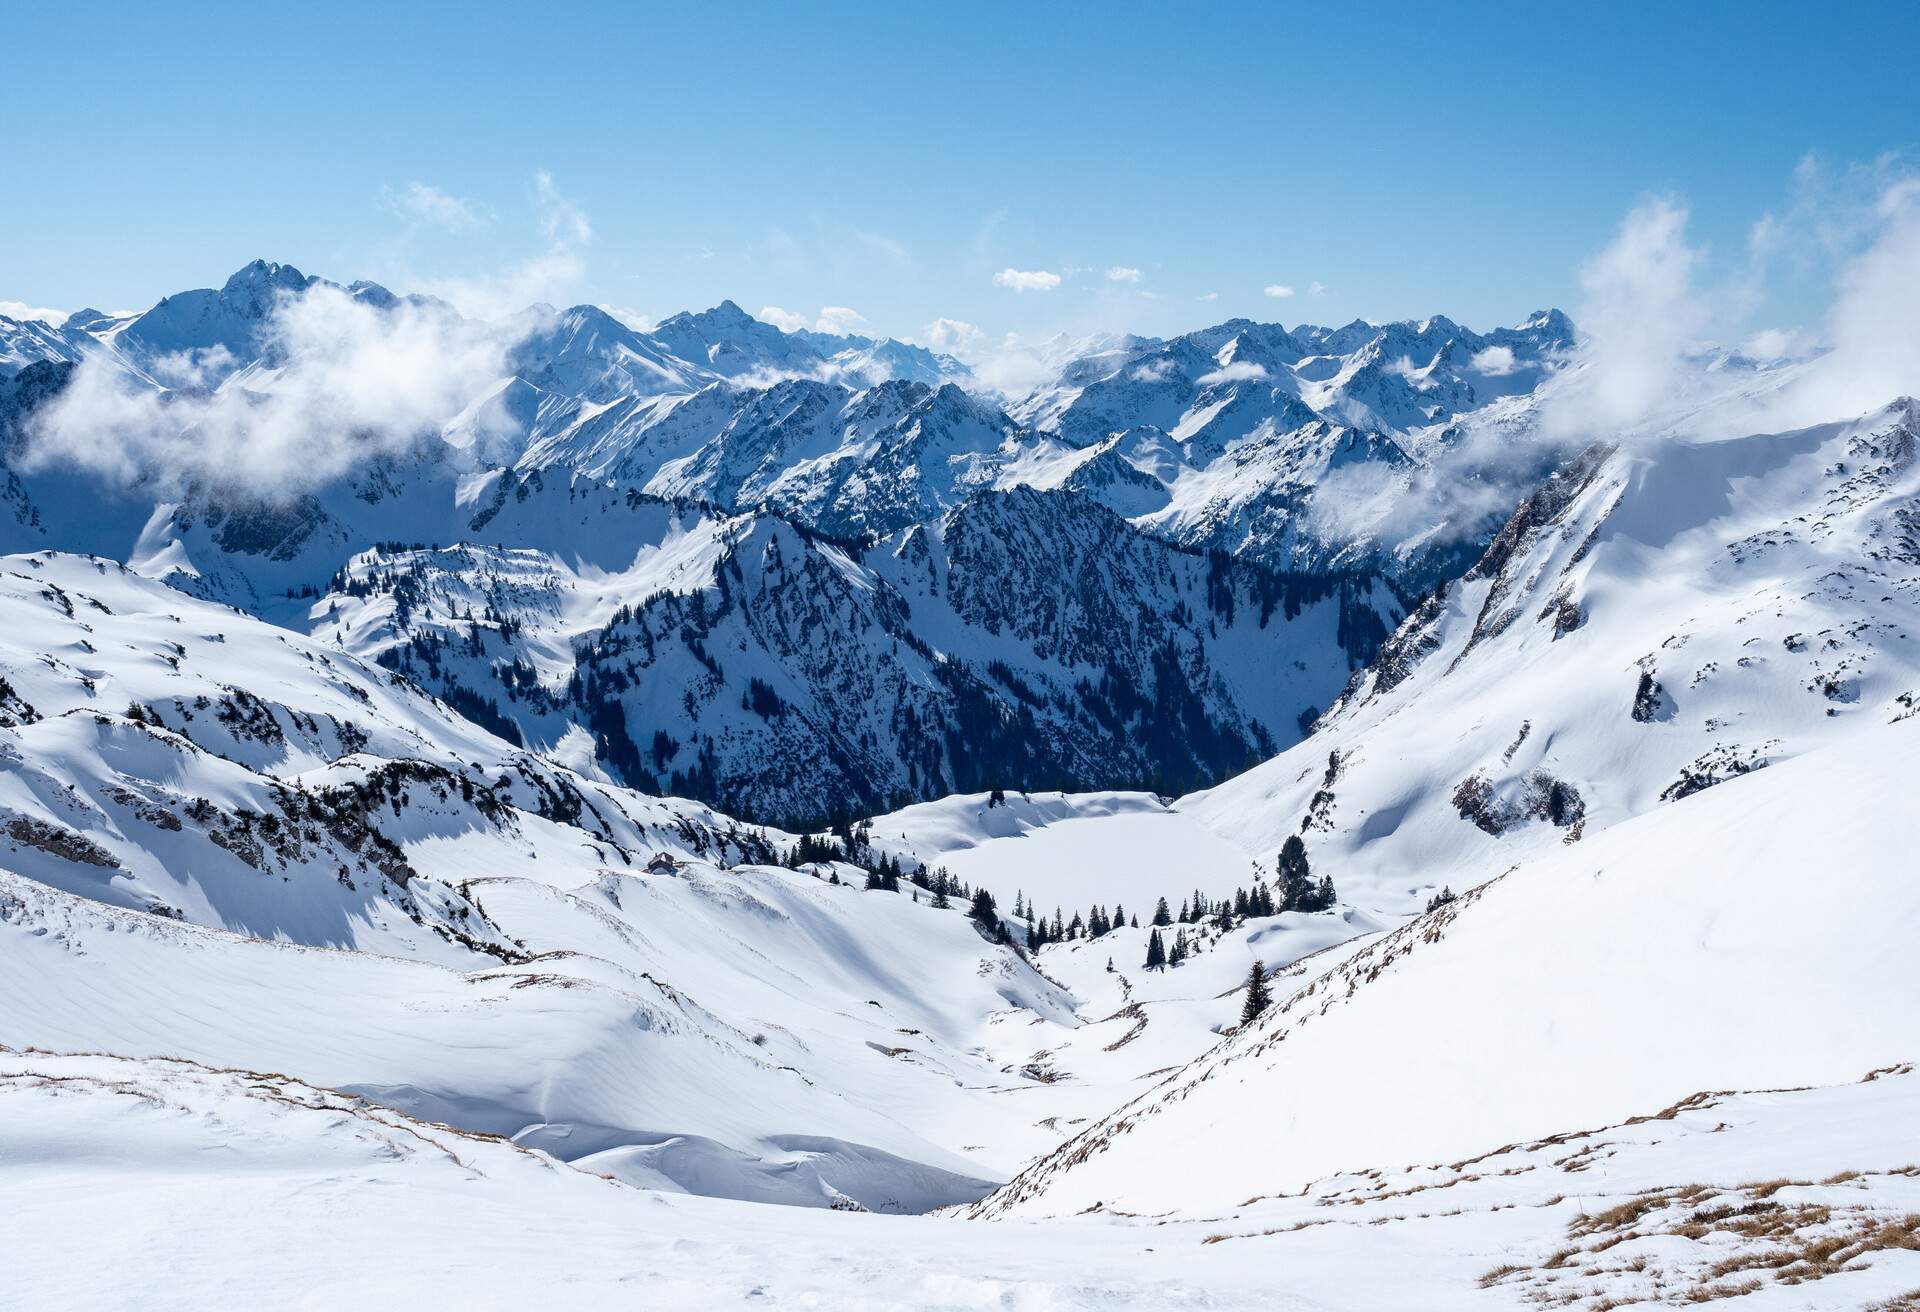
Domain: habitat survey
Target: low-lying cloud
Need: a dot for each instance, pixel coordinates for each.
(1240, 371)
(351, 381)
(21, 310)
(1646, 366)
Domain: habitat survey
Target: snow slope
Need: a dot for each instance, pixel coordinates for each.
(1707, 945)
(256, 1187)
(198, 806)
(1654, 620)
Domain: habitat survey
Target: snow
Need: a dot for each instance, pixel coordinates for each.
(1668, 954)
(1071, 849)
(232, 843)
(227, 1186)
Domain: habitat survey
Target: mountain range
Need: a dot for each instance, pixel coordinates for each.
(674, 772)
(895, 503)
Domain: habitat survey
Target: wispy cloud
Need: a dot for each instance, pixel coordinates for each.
(553, 273)
(1024, 280)
(1277, 290)
(431, 205)
(1123, 273)
(561, 219)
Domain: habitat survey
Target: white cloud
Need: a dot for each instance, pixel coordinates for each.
(1211, 296)
(1495, 361)
(1022, 280)
(429, 204)
(1240, 371)
(954, 336)
(1013, 368)
(1638, 369)
(839, 320)
(357, 382)
(785, 320)
(1153, 371)
(1317, 289)
(1278, 290)
(836, 319)
(196, 368)
(1640, 316)
(1122, 273)
(21, 310)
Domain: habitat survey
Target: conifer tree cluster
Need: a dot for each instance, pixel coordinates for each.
(1097, 923)
(1298, 889)
(987, 915)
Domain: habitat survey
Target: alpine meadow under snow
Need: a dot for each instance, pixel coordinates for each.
(1392, 815)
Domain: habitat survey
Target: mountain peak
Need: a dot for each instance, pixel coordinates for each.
(263, 275)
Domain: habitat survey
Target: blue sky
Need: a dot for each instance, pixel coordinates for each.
(891, 159)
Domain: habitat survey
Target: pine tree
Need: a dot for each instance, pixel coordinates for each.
(1179, 953)
(1295, 877)
(1119, 920)
(1184, 916)
(1257, 994)
(1156, 952)
(1161, 916)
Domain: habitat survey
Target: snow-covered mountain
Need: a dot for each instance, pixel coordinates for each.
(1655, 743)
(1022, 637)
(1656, 619)
(434, 780)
